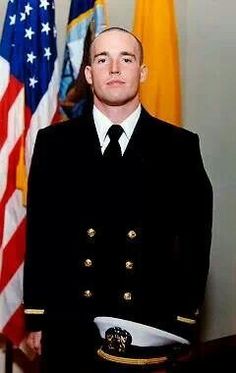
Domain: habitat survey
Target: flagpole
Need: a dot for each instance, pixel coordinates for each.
(8, 357)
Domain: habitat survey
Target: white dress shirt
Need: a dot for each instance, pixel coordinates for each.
(102, 124)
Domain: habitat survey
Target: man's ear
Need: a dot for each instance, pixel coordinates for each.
(143, 73)
(88, 74)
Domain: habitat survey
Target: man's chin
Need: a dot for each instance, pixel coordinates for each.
(116, 101)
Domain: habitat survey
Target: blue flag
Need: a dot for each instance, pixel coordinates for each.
(86, 19)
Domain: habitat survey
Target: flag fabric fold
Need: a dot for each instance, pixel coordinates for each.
(86, 19)
(28, 101)
(154, 25)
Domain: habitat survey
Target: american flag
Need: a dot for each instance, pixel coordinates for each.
(28, 101)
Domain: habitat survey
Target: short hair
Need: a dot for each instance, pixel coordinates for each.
(117, 28)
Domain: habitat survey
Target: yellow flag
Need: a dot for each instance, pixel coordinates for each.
(154, 25)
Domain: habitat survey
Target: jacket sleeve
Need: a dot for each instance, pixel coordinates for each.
(194, 236)
(34, 281)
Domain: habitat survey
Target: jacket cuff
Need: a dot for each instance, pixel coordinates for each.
(186, 325)
(186, 320)
(34, 319)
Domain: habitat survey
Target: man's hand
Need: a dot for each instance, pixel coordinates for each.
(34, 341)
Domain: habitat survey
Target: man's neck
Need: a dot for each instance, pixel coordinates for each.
(117, 114)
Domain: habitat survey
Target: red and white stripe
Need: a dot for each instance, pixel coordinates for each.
(16, 123)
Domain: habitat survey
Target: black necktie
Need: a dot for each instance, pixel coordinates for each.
(113, 150)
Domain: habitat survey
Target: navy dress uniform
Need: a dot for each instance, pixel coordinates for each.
(129, 240)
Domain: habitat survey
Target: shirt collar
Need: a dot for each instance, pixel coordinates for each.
(102, 123)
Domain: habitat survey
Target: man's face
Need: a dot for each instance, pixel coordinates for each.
(115, 72)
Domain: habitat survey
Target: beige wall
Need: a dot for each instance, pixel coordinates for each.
(207, 32)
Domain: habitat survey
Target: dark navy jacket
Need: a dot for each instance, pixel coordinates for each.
(129, 240)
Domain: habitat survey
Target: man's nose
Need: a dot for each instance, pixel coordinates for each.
(115, 67)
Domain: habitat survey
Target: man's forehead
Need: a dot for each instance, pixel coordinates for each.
(105, 40)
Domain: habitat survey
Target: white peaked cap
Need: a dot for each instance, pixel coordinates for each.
(142, 335)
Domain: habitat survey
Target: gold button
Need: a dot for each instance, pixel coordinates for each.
(91, 232)
(129, 265)
(131, 234)
(87, 294)
(127, 296)
(88, 263)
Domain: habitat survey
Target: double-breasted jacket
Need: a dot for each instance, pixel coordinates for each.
(129, 240)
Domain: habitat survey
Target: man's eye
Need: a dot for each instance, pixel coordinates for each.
(101, 60)
(127, 59)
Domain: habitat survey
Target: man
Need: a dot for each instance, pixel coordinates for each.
(118, 224)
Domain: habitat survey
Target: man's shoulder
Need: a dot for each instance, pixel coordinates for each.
(64, 135)
(65, 128)
(168, 131)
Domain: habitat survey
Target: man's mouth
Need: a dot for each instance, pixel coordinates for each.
(115, 82)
